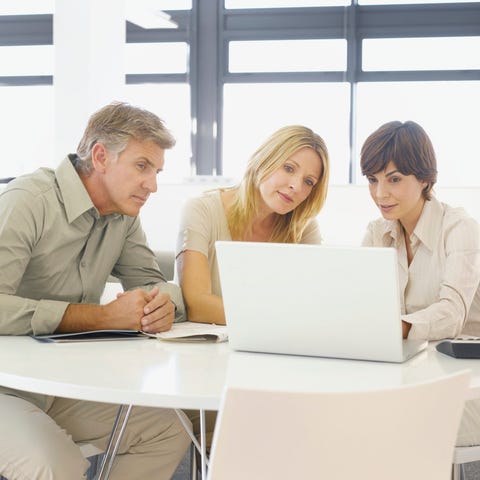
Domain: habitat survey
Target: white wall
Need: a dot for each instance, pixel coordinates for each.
(342, 221)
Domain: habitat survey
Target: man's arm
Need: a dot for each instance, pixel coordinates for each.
(20, 224)
(137, 267)
(134, 310)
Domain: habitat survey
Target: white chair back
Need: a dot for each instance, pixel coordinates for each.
(397, 434)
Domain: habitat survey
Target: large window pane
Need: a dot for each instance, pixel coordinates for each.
(26, 60)
(26, 7)
(400, 2)
(156, 58)
(447, 110)
(252, 112)
(171, 102)
(283, 3)
(288, 56)
(445, 53)
(171, 4)
(27, 127)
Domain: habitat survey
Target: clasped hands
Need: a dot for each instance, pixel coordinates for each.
(137, 309)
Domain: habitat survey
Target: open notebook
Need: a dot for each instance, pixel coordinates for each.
(340, 302)
(182, 331)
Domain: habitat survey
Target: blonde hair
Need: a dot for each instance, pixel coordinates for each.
(269, 157)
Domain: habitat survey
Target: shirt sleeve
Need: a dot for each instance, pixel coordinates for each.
(137, 267)
(20, 225)
(368, 237)
(446, 317)
(311, 234)
(195, 227)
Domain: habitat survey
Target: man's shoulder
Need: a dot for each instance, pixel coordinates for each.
(36, 183)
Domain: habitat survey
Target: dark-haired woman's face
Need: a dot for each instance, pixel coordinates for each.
(398, 196)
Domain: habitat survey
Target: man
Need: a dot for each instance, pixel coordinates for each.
(62, 232)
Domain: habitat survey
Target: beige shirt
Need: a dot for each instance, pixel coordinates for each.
(203, 222)
(56, 249)
(440, 294)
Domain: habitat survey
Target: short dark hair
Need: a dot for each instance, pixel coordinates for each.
(408, 146)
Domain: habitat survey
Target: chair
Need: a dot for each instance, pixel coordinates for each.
(93, 455)
(407, 432)
(462, 455)
(166, 263)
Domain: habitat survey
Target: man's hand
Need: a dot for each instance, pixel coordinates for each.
(133, 310)
(154, 311)
(159, 312)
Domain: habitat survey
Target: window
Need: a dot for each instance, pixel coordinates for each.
(27, 129)
(233, 71)
(448, 111)
(19, 60)
(144, 58)
(434, 53)
(288, 56)
(252, 112)
(283, 3)
(171, 102)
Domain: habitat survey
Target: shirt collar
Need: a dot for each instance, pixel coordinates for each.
(75, 197)
(393, 230)
(427, 228)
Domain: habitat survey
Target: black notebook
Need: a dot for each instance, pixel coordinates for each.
(93, 335)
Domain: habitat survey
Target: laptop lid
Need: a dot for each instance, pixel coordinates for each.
(340, 302)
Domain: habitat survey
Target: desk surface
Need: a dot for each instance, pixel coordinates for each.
(150, 372)
(144, 372)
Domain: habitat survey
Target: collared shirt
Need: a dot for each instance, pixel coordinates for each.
(439, 290)
(56, 249)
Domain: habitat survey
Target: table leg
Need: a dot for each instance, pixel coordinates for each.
(203, 443)
(114, 441)
(202, 446)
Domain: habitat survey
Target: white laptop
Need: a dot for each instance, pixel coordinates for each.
(340, 302)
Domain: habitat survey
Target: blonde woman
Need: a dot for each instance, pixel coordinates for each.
(283, 189)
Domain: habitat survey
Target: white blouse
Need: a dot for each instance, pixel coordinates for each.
(439, 290)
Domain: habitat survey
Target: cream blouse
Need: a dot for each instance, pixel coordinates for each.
(440, 294)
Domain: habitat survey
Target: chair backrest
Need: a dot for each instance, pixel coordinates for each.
(166, 262)
(397, 434)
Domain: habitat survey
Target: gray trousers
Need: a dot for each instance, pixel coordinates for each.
(38, 445)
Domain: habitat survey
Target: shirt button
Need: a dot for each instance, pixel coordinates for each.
(83, 263)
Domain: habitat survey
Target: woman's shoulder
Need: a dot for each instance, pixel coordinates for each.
(456, 215)
(210, 199)
(381, 225)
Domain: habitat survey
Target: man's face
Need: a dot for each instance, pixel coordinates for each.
(130, 177)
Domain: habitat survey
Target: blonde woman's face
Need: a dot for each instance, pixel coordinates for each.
(288, 186)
